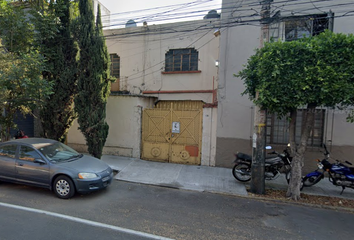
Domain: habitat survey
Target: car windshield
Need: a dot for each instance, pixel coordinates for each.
(58, 152)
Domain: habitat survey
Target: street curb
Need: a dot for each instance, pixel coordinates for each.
(292, 202)
(261, 198)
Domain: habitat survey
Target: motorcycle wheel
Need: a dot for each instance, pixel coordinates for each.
(242, 172)
(310, 181)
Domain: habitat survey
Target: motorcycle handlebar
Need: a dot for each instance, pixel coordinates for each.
(348, 163)
(341, 162)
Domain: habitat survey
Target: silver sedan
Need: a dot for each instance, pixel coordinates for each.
(51, 164)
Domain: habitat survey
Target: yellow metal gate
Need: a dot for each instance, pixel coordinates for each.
(172, 132)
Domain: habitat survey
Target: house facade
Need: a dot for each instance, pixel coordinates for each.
(173, 68)
(240, 35)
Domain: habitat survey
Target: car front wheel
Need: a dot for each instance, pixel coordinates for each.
(64, 187)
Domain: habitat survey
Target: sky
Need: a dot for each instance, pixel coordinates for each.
(158, 11)
(117, 6)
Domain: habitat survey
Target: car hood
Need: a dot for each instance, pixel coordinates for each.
(86, 164)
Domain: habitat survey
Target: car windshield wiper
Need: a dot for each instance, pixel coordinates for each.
(74, 157)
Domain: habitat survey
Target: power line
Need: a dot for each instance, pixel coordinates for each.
(158, 70)
(241, 8)
(293, 2)
(246, 6)
(164, 11)
(229, 24)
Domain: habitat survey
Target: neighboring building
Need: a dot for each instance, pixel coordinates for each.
(105, 13)
(172, 69)
(241, 35)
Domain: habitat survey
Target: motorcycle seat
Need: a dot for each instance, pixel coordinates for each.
(269, 159)
(244, 156)
(272, 160)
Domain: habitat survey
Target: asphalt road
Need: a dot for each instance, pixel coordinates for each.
(165, 212)
(39, 225)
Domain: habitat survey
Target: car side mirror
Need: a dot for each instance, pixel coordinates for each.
(40, 161)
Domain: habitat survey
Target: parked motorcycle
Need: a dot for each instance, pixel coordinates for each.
(339, 174)
(274, 166)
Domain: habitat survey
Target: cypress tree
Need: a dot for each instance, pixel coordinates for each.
(103, 63)
(60, 50)
(94, 82)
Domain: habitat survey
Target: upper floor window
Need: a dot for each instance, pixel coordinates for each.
(115, 65)
(181, 60)
(297, 28)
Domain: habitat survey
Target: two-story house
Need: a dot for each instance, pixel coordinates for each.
(241, 34)
(163, 104)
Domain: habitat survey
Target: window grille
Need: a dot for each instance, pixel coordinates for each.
(300, 27)
(278, 129)
(181, 60)
(115, 65)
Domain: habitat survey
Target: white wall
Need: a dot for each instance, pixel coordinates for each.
(142, 55)
(234, 110)
(338, 131)
(237, 44)
(124, 120)
(209, 136)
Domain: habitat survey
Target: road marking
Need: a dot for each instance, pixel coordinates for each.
(84, 221)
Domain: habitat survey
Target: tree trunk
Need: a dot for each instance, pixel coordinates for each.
(298, 160)
(292, 131)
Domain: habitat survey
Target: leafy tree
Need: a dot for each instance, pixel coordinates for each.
(21, 85)
(93, 84)
(15, 29)
(56, 42)
(313, 72)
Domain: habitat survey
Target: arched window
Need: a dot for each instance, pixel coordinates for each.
(115, 65)
(115, 72)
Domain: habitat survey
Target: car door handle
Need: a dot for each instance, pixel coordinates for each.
(20, 164)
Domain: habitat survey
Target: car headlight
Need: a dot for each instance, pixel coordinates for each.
(87, 175)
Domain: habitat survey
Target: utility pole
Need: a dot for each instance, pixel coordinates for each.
(260, 118)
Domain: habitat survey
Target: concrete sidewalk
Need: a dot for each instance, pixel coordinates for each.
(202, 178)
(189, 177)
